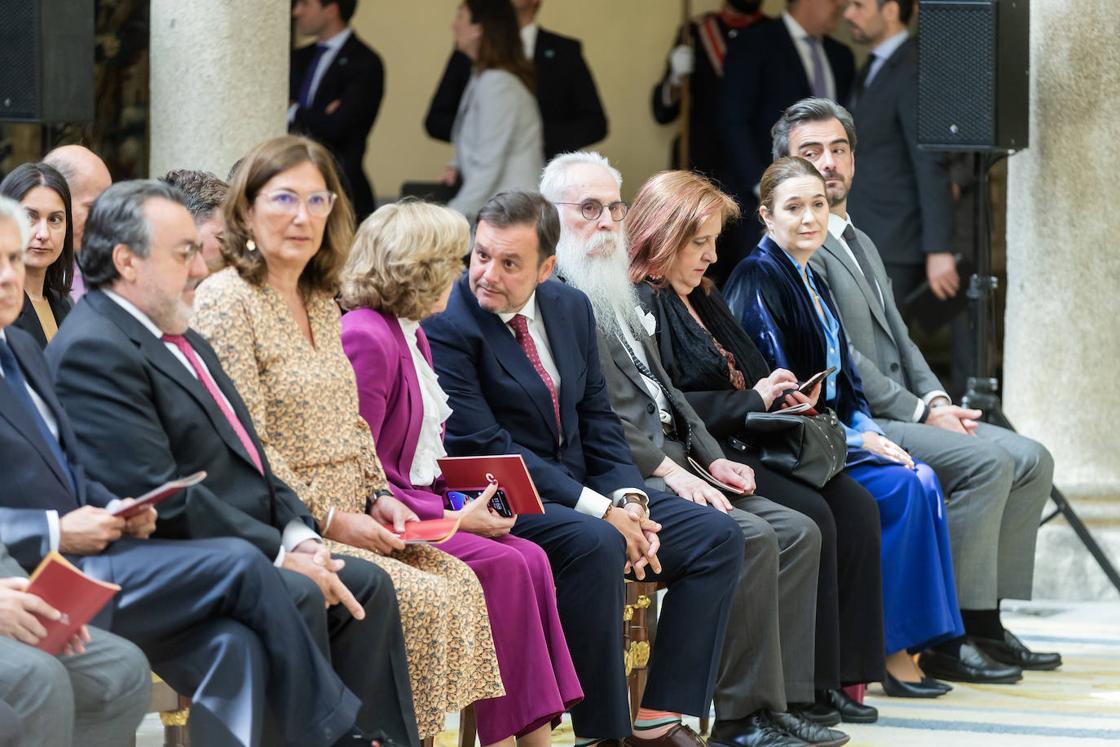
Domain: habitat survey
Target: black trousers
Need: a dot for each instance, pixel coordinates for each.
(849, 638)
(701, 553)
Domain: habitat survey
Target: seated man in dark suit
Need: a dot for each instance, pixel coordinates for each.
(775, 596)
(335, 88)
(516, 354)
(768, 67)
(995, 480)
(142, 415)
(100, 688)
(571, 112)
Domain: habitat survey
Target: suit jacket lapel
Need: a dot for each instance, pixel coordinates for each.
(793, 58)
(12, 411)
(832, 246)
(415, 408)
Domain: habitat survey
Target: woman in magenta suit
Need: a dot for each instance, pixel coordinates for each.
(404, 261)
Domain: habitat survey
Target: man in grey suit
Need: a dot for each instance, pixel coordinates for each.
(770, 667)
(903, 200)
(100, 689)
(995, 480)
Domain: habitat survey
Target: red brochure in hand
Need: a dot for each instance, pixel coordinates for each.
(428, 532)
(77, 596)
(475, 473)
(159, 495)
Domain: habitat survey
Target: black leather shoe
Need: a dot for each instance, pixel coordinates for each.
(818, 713)
(971, 665)
(897, 688)
(756, 730)
(807, 731)
(931, 682)
(1013, 651)
(850, 711)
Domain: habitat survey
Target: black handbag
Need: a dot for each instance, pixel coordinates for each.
(812, 448)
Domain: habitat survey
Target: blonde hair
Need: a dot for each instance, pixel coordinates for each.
(666, 214)
(404, 257)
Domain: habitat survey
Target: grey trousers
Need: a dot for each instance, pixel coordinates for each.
(100, 695)
(995, 484)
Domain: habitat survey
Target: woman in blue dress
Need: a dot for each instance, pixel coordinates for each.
(789, 314)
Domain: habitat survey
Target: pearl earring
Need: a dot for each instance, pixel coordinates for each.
(250, 246)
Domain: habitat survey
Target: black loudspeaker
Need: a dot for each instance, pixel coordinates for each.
(46, 60)
(974, 75)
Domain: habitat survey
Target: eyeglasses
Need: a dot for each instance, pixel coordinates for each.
(318, 204)
(592, 209)
(187, 252)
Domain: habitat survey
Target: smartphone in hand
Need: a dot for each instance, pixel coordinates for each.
(807, 386)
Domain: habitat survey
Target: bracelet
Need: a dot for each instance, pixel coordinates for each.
(327, 523)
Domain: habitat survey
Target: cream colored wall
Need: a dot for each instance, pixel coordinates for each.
(624, 41)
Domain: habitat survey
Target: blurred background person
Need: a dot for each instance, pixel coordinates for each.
(49, 256)
(272, 319)
(497, 131)
(205, 193)
(569, 103)
(87, 176)
(334, 90)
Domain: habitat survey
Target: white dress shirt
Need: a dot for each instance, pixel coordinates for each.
(429, 446)
(54, 533)
(529, 39)
(590, 502)
(883, 52)
(805, 52)
(836, 226)
(296, 531)
(334, 44)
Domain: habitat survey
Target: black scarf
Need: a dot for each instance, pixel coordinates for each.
(697, 364)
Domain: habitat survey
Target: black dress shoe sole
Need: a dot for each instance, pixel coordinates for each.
(831, 720)
(940, 674)
(853, 719)
(1011, 660)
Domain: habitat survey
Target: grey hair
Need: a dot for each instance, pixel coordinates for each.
(12, 210)
(117, 217)
(809, 110)
(554, 177)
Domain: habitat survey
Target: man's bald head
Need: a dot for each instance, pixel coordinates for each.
(86, 175)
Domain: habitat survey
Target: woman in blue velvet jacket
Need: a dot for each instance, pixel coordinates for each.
(790, 315)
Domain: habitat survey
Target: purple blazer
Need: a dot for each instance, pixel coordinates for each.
(389, 400)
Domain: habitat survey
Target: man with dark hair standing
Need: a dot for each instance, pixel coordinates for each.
(768, 67)
(902, 200)
(517, 355)
(335, 89)
(205, 193)
(571, 112)
(995, 480)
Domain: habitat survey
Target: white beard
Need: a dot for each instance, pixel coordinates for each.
(600, 268)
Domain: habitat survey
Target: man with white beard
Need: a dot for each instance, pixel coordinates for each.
(768, 652)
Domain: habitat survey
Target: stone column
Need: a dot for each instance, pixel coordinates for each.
(1062, 346)
(219, 80)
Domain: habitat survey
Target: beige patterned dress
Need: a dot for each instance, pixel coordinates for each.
(304, 403)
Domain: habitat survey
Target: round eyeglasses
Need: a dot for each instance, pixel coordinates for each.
(318, 204)
(592, 209)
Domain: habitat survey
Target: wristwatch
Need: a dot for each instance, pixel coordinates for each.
(638, 498)
(373, 499)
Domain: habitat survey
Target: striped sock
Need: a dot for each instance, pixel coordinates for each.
(650, 720)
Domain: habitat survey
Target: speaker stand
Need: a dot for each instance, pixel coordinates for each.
(983, 388)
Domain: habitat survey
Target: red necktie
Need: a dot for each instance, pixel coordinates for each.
(520, 326)
(203, 376)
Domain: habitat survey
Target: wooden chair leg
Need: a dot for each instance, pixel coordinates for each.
(704, 726)
(428, 742)
(468, 728)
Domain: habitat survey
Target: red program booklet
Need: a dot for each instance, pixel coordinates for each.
(474, 473)
(427, 532)
(77, 596)
(159, 495)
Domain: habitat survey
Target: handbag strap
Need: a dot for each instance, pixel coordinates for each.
(678, 419)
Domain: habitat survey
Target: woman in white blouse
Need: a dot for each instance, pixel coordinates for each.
(497, 131)
(401, 269)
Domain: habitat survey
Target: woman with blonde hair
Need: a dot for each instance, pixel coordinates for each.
(272, 319)
(405, 259)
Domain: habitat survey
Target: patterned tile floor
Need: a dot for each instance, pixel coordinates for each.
(1078, 705)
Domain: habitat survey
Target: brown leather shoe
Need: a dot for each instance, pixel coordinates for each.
(679, 736)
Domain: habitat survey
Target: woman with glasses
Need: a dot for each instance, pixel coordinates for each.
(273, 322)
(49, 257)
(497, 131)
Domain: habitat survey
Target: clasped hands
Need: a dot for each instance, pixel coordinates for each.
(640, 533)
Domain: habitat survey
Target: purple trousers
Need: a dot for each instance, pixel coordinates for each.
(537, 671)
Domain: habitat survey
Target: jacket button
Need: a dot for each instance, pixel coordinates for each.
(650, 408)
(894, 366)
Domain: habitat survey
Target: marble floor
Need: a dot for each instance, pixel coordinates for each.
(1078, 705)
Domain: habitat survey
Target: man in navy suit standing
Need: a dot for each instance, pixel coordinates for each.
(517, 355)
(768, 67)
(212, 615)
(335, 89)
